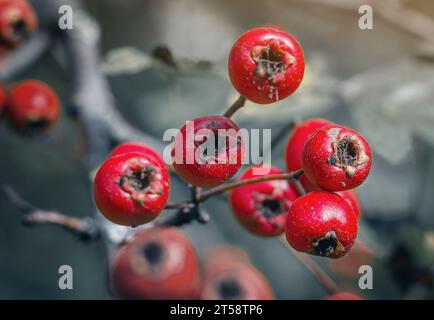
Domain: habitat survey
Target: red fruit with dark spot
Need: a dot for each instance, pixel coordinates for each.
(229, 277)
(17, 22)
(157, 263)
(205, 157)
(344, 296)
(2, 98)
(294, 148)
(336, 158)
(350, 197)
(32, 105)
(266, 65)
(321, 223)
(262, 207)
(135, 147)
(131, 189)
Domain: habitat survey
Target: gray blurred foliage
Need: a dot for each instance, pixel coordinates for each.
(369, 80)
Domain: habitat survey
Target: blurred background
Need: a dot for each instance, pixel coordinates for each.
(380, 82)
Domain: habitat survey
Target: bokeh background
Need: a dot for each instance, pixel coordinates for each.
(380, 81)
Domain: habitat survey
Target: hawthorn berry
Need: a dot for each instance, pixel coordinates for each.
(294, 148)
(344, 296)
(262, 207)
(132, 188)
(32, 105)
(266, 65)
(336, 158)
(157, 263)
(208, 151)
(134, 147)
(2, 98)
(321, 223)
(229, 277)
(350, 197)
(17, 22)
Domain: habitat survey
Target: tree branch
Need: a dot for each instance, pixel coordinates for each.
(320, 275)
(86, 228)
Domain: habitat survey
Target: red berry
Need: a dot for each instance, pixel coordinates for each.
(321, 223)
(2, 98)
(134, 147)
(336, 158)
(32, 105)
(17, 22)
(191, 160)
(350, 197)
(344, 296)
(131, 189)
(262, 207)
(294, 148)
(229, 277)
(157, 263)
(266, 65)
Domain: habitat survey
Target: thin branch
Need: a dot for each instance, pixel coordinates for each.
(320, 275)
(232, 185)
(238, 104)
(25, 56)
(85, 228)
(282, 133)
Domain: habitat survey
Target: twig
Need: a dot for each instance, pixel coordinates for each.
(320, 275)
(25, 56)
(238, 104)
(282, 133)
(85, 228)
(232, 185)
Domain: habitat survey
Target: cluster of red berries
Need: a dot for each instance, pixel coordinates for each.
(17, 22)
(132, 189)
(161, 263)
(335, 159)
(132, 186)
(30, 105)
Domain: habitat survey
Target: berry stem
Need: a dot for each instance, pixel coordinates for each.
(238, 104)
(320, 275)
(232, 185)
(205, 195)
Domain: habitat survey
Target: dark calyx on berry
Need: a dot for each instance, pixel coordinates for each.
(37, 124)
(271, 207)
(153, 253)
(271, 61)
(348, 155)
(328, 245)
(19, 29)
(138, 180)
(230, 289)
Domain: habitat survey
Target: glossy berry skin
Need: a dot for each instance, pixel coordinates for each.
(344, 296)
(336, 158)
(2, 98)
(350, 196)
(135, 147)
(32, 105)
(17, 22)
(157, 263)
(131, 189)
(229, 277)
(321, 223)
(295, 145)
(217, 167)
(262, 207)
(266, 65)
